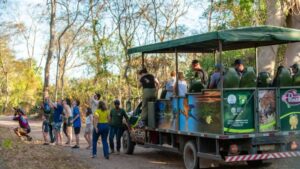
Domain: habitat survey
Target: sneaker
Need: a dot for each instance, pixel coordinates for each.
(107, 157)
(76, 146)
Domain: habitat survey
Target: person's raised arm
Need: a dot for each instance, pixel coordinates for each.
(156, 83)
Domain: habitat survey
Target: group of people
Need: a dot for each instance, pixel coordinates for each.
(64, 115)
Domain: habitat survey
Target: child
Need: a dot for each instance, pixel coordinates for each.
(89, 127)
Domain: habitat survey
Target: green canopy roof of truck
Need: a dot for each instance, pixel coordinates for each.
(232, 39)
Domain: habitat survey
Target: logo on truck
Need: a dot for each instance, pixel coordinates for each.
(291, 98)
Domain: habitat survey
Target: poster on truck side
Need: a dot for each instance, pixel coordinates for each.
(289, 109)
(267, 110)
(239, 111)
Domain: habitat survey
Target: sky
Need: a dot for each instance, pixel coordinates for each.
(23, 11)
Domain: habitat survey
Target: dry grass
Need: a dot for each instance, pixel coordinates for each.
(18, 154)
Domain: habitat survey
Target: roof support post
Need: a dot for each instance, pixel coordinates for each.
(222, 81)
(143, 60)
(177, 70)
(256, 63)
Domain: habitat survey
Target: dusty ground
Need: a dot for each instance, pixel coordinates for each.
(37, 156)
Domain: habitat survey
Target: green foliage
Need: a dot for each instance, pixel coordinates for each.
(7, 143)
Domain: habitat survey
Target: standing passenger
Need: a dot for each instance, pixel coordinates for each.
(182, 85)
(170, 85)
(101, 128)
(76, 121)
(239, 67)
(215, 77)
(149, 84)
(116, 125)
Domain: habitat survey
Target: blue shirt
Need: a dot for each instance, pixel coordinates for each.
(77, 122)
(57, 116)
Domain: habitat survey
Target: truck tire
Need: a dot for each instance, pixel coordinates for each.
(190, 159)
(128, 145)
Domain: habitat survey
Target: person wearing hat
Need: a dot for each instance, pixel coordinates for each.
(239, 67)
(215, 77)
(116, 125)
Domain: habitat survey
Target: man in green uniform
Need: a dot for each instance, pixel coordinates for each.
(116, 125)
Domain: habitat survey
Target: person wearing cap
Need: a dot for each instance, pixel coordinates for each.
(149, 84)
(239, 67)
(215, 77)
(116, 125)
(296, 74)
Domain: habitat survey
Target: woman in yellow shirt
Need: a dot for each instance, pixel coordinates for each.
(101, 128)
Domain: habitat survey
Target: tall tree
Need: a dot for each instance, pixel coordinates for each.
(52, 33)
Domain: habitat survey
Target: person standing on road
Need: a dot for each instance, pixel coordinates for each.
(116, 125)
(101, 128)
(57, 119)
(68, 118)
(149, 84)
(89, 127)
(76, 121)
(95, 102)
(45, 125)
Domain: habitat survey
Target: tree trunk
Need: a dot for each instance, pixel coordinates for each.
(292, 54)
(267, 55)
(50, 48)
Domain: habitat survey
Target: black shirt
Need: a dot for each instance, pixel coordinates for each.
(200, 73)
(148, 81)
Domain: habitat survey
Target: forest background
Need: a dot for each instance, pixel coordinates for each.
(74, 48)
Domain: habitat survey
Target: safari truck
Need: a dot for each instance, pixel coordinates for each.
(239, 122)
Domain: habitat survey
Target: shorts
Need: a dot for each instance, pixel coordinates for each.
(57, 126)
(76, 130)
(88, 128)
(69, 122)
(23, 131)
(45, 126)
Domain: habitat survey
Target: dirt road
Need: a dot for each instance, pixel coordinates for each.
(142, 158)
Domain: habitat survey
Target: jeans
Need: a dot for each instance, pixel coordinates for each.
(115, 131)
(103, 130)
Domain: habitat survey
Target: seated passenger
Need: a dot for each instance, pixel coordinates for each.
(248, 78)
(200, 79)
(296, 74)
(239, 67)
(182, 85)
(264, 79)
(215, 77)
(282, 77)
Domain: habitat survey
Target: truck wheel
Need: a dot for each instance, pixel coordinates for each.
(191, 161)
(128, 145)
